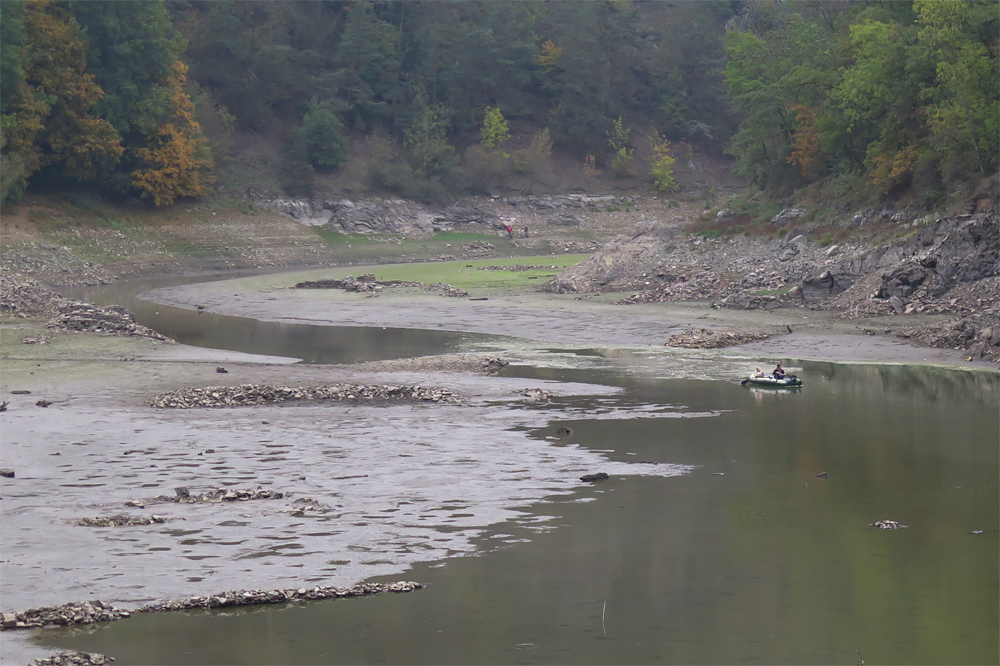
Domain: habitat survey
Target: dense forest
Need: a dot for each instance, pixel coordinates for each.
(135, 99)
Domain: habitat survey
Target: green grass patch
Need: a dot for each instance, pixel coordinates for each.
(463, 274)
(773, 292)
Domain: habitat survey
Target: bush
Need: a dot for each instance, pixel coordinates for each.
(533, 159)
(661, 169)
(483, 167)
(320, 141)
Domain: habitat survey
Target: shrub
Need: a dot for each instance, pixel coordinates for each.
(533, 159)
(661, 168)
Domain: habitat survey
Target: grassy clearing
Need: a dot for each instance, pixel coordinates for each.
(461, 274)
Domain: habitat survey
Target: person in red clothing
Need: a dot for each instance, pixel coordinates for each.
(510, 232)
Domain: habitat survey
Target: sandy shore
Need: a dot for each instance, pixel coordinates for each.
(392, 484)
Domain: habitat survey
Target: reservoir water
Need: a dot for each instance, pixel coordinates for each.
(764, 553)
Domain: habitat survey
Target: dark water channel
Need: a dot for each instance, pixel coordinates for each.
(750, 558)
(311, 343)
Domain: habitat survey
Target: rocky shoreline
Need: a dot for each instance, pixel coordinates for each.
(944, 266)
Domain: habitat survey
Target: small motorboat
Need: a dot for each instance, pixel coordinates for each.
(789, 381)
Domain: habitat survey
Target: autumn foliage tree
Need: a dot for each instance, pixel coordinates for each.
(175, 161)
(50, 122)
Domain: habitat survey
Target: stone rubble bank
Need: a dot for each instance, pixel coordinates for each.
(73, 658)
(120, 521)
(92, 612)
(929, 265)
(259, 394)
(368, 284)
(24, 297)
(707, 339)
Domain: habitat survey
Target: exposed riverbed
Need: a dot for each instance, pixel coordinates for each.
(713, 540)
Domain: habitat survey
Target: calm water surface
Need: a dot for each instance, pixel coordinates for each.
(311, 343)
(748, 559)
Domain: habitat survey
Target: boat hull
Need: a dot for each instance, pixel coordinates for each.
(771, 382)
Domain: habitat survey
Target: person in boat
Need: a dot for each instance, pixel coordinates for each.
(779, 372)
(758, 373)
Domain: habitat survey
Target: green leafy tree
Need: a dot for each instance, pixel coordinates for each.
(368, 64)
(495, 129)
(619, 139)
(11, 43)
(320, 140)
(767, 76)
(964, 109)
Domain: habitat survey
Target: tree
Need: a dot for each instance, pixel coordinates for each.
(51, 124)
(661, 168)
(495, 130)
(134, 52)
(174, 160)
(11, 43)
(964, 110)
(620, 143)
(368, 64)
(427, 141)
(766, 75)
(320, 140)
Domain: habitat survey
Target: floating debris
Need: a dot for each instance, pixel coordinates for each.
(563, 431)
(600, 476)
(888, 524)
(7, 473)
(259, 394)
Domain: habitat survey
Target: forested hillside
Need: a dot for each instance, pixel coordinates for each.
(144, 99)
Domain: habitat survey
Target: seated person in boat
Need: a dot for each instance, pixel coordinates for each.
(758, 373)
(779, 372)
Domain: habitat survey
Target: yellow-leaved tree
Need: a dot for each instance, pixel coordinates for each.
(50, 121)
(175, 162)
